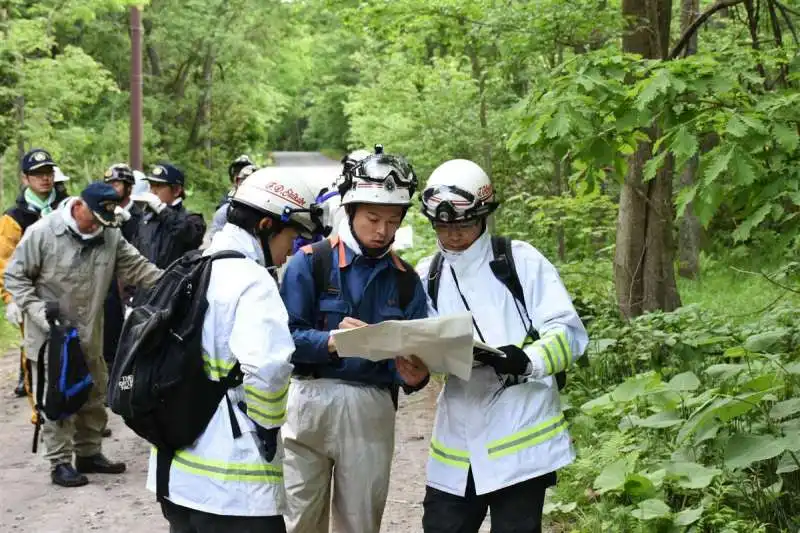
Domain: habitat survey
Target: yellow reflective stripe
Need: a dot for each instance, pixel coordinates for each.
(266, 419)
(528, 437)
(557, 356)
(266, 408)
(246, 472)
(216, 368)
(449, 456)
(263, 396)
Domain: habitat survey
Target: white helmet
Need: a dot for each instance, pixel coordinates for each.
(458, 190)
(245, 172)
(291, 199)
(378, 179)
(58, 176)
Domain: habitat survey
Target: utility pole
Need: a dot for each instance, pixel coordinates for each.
(136, 89)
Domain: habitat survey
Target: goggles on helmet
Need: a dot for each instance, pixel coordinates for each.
(386, 170)
(314, 211)
(448, 204)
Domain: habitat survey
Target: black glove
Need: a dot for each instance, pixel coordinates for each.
(267, 437)
(516, 362)
(269, 441)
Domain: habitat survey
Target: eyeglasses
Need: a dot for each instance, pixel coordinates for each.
(456, 226)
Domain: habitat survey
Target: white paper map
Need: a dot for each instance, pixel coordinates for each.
(445, 344)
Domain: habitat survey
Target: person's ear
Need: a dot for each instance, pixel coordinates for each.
(265, 223)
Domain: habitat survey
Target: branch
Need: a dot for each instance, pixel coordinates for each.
(766, 277)
(786, 8)
(785, 12)
(687, 34)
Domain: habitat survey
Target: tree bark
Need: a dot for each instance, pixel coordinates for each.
(689, 227)
(152, 54)
(201, 116)
(644, 271)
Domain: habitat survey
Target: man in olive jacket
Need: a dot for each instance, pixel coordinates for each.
(70, 257)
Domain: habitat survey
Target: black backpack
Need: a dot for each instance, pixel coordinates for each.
(158, 384)
(63, 380)
(322, 265)
(505, 270)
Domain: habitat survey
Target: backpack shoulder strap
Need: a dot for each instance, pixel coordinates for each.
(504, 268)
(406, 281)
(322, 264)
(434, 276)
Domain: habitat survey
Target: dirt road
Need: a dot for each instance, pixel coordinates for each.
(30, 503)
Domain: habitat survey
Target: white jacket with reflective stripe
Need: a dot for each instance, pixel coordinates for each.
(514, 433)
(245, 321)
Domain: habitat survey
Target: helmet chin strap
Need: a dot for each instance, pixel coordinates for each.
(263, 236)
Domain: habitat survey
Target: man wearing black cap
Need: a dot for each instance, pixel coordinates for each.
(37, 199)
(70, 258)
(120, 176)
(167, 230)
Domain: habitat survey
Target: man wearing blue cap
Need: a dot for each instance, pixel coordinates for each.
(69, 257)
(38, 198)
(167, 230)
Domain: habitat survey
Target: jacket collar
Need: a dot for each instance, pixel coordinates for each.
(351, 250)
(234, 238)
(471, 258)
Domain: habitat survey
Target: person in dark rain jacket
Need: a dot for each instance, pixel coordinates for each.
(167, 230)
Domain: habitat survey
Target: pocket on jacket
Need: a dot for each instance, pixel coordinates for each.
(333, 311)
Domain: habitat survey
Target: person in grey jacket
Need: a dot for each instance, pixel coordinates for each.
(70, 257)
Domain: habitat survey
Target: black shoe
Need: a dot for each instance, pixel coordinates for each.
(106, 433)
(98, 464)
(19, 390)
(66, 476)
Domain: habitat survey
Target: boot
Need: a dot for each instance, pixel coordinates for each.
(64, 475)
(98, 464)
(106, 433)
(19, 390)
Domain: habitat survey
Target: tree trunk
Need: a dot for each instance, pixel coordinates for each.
(557, 190)
(690, 229)
(201, 115)
(152, 54)
(644, 272)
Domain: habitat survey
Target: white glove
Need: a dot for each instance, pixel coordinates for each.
(152, 201)
(13, 314)
(121, 214)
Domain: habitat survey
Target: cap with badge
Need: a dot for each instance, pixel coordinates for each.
(119, 172)
(166, 173)
(36, 159)
(102, 200)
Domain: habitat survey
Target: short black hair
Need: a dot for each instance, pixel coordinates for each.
(248, 218)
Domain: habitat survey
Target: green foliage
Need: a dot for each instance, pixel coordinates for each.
(686, 418)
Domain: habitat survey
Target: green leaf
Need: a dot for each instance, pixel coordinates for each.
(785, 409)
(762, 342)
(687, 517)
(742, 233)
(559, 125)
(653, 164)
(684, 382)
(787, 464)
(598, 403)
(638, 486)
(664, 419)
(613, 476)
(744, 450)
(716, 162)
(691, 475)
(651, 509)
(653, 87)
(635, 386)
(684, 146)
(742, 170)
(724, 371)
(737, 127)
(786, 136)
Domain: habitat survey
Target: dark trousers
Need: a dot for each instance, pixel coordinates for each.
(112, 323)
(514, 509)
(185, 520)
